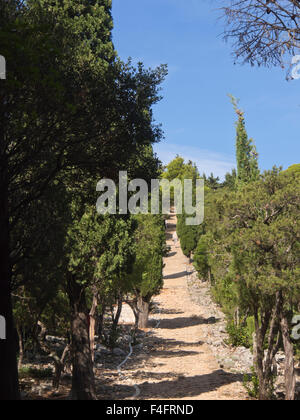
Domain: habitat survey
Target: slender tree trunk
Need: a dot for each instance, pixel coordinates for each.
(263, 375)
(92, 325)
(59, 363)
(209, 277)
(133, 306)
(21, 347)
(237, 316)
(9, 387)
(273, 345)
(83, 381)
(118, 312)
(290, 379)
(115, 321)
(59, 367)
(101, 321)
(263, 389)
(143, 304)
(254, 351)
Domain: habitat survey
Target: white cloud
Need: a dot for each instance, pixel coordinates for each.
(206, 160)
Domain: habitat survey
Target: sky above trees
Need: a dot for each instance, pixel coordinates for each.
(196, 112)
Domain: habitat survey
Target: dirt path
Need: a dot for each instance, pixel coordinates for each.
(175, 363)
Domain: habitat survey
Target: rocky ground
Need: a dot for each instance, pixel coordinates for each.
(235, 359)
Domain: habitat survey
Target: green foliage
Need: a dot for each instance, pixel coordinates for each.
(175, 169)
(294, 169)
(110, 338)
(259, 224)
(147, 278)
(246, 154)
(188, 235)
(230, 180)
(74, 113)
(212, 182)
(238, 335)
(253, 238)
(104, 241)
(91, 41)
(251, 384)
(178, 169)
(30, 372)
(201, 259)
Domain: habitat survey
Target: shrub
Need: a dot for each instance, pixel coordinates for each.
(238, 335)
(251, 384)
(201, 259)
(30, 372)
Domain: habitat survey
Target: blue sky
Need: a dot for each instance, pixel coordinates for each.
(196, 114)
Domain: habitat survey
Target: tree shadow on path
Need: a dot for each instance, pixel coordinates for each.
(176, 276)
(181, 322)
(173, 386)
(184, 387)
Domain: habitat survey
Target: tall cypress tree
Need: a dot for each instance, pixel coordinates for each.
(246, 154)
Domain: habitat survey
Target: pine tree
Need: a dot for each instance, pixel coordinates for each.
(246, 154)
(89, 23)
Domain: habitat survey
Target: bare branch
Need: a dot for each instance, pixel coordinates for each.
(262, 31)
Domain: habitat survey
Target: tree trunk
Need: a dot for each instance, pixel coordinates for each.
(115, 322)
(237, 316)
(101, 320)
(263, 372)
(209, 277)
(83, 381)
(59, 363)
(290, 380)
(59, 367)
(21, 347)
(254, 351)
(259, 352)
(119, 311)
(143, 304)
(9, 387)
(273, 339)
(92, 325)
(133, 306)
